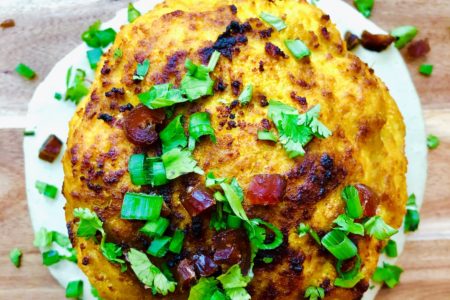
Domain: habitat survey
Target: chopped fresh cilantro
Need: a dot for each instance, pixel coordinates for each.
(265, 135)
(412, 217)
(389, 274)
(235, 196)
(25, 71)
(212, 182)
(347, 224)
(76, 87)
(95, 293)
(118, 53)
(348, 283)
(403, 35)
(45, 238)
(96, 38)
(141, 70)
(364, 7)
(391, 249)
(173, 135)
(161, 95)
(376, 227)
(94, 56)
(314, 293)
(432, 141)
(204, 289)
(149, 274)
(234, 283)
(304, 229)
(179, 162)
(197, 82)
(133, 13)
(246, 96)
(15, 256)
(274, 21)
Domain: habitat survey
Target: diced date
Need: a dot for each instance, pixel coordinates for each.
(369, 200)
(267, 189)
(232, 247)
(376, 42)
(185, 273)
(51, 148)
(197, 201)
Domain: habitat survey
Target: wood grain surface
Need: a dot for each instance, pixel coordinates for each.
(47, 29)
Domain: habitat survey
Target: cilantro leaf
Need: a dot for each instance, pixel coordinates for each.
(234, 195)
(173, 135)
(161, 95)
(76, 87)
(89, 223)
(179, 162)
(149, 274)
(314, 293)
(389, 274)
(141, 70)
(347, 224)
(43, 238)
(96, 38)
(376, 227)
(234, 283)
(204, 289)
(15, 256)
(133, 13)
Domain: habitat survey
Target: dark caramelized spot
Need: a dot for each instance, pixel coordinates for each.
(115, 93)
(376, 42)
(126, 107)
(236, 87)
(266, 33)
(105, 117)
(274, 51)
(233, 9)
(51, 148)
(140, 125)
(261, 66)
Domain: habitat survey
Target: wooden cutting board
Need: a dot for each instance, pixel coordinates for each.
(47, 29)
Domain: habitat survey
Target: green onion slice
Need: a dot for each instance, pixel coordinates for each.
(265, 135)
(246, 96)
(176, 244)
(141, 70)
(200, 125)
(96, 38)
(94, 56)
(137, 170)
(25, 71)
(432, 141)
(141, 207)
(274, 21)
(352, 272)
(173, 135)
(404, 35)
(391, 249)
(46, 189)
(156, 227)
(74, 289)
(347, 224)
(15, 256)
(351, 197)
(389, 274)
(213, 60)
(339, 245)
(159, 246)
(364, 7)
(348, 283)
(426, 69)
(133, 13)
(412, 217)
(297, 48)
(161, 95)
(233, 222)
(376, 227)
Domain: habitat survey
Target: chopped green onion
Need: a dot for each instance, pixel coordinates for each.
(141, 70)
(74, 289)
(141, 207)
(137, 170)
(118, 53)
(76, 87)
(94, 56)
(339, 245)
(173, 135)
(351, 197)
(58, 96)
(376, 227)
(234, 196)
(274, 21)
(29, 133)
(389, 274)
(213, 60)
(200, 125)
(197, 82)
(25, 71)
(412, 217)
(404, 35)
(51, 257)
(46, 189)
(352, 273)
(265, 135)
(303, 229)
(246, 96)
(159, 246)
(348, 283)
(233, 222)
(156, 171)
(43, 238)
(267, 260)
(347, 224)
(96, 38)
(15, 256)
(161, 95)
(177, 242)
(364, 7)
(426, 69)
(146, 170)
(179, 162)
(95, 293)
(156, 227)
(432, 142)
(297, 48)
(133, 13)
(391, 249)
(314, 293)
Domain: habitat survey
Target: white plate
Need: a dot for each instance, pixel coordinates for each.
(49, 116)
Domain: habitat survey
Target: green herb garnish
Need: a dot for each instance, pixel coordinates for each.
(364, 7)
(274, 21)
(141, 70)
(389, 274)
(74, 289)
(404, 35)
(432, 141)
(376, 227)
(25, 71)
(96, 38)
(15, 255)
(246, 96)
(138, 206)
(426, 69)
(46, 189)
(133, 13)
(297, 48)
(94, 56)
(412, 217)
(173, 135)
(314, 293)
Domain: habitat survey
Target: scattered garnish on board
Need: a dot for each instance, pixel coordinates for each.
(8, 23)
(364, 7)
(50, 149)
(432, 141)
(46, 189)
(387, 274)
(403, 35)
(25, 71)
(426, 69)
(15, 255)
(133, 13)
(74, 289)
(412, 217)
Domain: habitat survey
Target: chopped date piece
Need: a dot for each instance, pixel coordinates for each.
(51, 148)
(274, 51)
(352, 40)
(204, 265)
(140, 125)
(198, 201)
(376, 42)
(266, 189)
(185, 273)
(8, 23)
(369, 200)
(418, 49)
(232, 247)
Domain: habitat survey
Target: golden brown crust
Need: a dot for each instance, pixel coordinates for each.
(367, 145)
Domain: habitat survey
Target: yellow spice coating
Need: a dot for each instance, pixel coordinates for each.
(367, 145)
